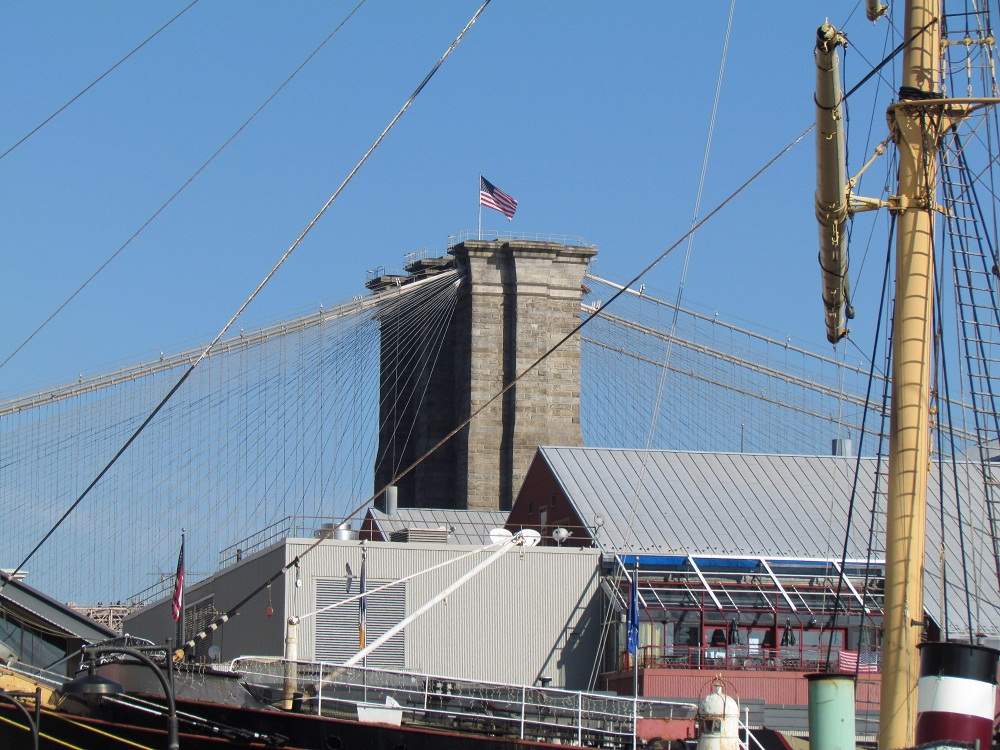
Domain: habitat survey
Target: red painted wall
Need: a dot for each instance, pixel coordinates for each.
(540, 491)
(780, 688)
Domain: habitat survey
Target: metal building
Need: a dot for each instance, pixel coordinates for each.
(532, 617)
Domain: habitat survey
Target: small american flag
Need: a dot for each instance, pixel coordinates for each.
(848, 661)
(177, 606)
(493, 197)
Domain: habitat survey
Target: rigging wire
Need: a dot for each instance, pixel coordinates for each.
(97, 80)
(688, 251)
(184, 185)
(234, 609)
(861, 436)
(285, 255)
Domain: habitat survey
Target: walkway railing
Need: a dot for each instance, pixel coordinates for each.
(740, 658)
(489, 236)
(497, 709)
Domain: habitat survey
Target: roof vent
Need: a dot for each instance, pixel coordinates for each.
(842, 447)
(438, 535)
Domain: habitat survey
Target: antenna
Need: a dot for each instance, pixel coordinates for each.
(560, 535)
(499, 536)
(528, 537)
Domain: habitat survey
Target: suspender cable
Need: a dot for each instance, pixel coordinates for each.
(184, 185)
(735, 193)
(260, 285)
(97, 80)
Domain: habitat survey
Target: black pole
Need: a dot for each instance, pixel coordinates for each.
(38, 714)
(32, 724)
(172, 741)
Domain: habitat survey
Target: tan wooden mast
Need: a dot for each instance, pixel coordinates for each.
(916, 131)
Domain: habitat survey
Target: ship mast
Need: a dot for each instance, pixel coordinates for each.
(916, 130)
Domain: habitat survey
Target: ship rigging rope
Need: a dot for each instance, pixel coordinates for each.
(101, 77)
(97, 730)
(43, 735)
(654, 416)
(285, 255)
(938, 307)
(739, 190)
(875, 484)
(842, 575)
(184, 185)
(396, 582)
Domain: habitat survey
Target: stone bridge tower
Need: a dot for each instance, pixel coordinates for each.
(516, 299)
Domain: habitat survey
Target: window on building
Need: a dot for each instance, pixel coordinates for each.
(337, 629)
(31, 644)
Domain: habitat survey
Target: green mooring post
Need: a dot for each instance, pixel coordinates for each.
(831, 711)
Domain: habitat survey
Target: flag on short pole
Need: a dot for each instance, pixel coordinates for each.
(177, 605)
(633, 616)
(851, 661)
(363, 602)
(493, 197)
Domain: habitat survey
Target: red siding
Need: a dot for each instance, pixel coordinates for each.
(776, 688)
(540, 491)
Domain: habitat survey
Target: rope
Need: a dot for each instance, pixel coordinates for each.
(97, 731)
(97, 80)
(688, 250)
(184, 185)
(42, 735)
(396, 582)
(504, 547)
(260, 285)
(861, 439)
(740, 189)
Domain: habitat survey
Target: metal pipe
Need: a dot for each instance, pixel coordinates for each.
(831, 711)
(95, 652)
(291, 665)
(916, 133)
(32, 722)
(831, 182)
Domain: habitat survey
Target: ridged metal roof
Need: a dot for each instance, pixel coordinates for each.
(55, 613)
(465, 526)
(773, 505)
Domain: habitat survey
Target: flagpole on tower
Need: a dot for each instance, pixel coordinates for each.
(480, 207)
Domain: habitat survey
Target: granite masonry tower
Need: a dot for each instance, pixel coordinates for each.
(516, 299)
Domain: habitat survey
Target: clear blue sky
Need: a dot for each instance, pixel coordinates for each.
(592, 114)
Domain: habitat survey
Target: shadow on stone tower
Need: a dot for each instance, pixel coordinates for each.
(516, 299)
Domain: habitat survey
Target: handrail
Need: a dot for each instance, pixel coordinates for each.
(516, 710)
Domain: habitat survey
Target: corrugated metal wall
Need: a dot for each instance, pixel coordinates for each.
(252, 632)
(534, 613)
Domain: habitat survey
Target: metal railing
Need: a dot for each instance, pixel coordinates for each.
(283, 528)
(459, 532)
(739, 658)
(497, 709)
(488, 236)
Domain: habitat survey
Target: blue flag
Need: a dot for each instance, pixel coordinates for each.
(633, 616)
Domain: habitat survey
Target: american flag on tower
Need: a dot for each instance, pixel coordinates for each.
(493, 197)
(177, 606)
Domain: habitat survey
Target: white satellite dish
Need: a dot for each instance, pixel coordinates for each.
(499, 536)
(560, 535)
(529, 537)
